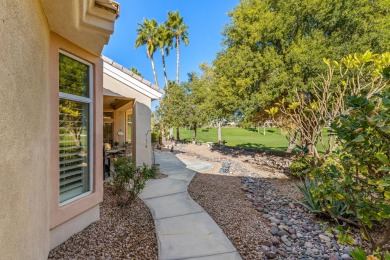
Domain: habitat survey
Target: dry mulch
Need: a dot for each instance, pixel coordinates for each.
(226, 203)
(121, 233)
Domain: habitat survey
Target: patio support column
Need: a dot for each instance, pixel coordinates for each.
(141, 139)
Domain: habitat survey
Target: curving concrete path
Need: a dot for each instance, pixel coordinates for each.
(184, 229)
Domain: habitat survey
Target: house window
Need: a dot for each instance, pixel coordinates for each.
(75, 127)
(128, 127)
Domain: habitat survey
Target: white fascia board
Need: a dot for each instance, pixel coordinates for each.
(130, 81)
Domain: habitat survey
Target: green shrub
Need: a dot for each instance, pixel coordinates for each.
(358, 174)
(359, 254)
(155, 136)
(319, 206)
(301, 166)
(129, 179)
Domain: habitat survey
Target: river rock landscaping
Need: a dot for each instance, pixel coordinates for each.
(273, 225)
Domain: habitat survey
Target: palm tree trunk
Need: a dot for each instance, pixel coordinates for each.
(153, 68)
(177, 58)
(164, 68)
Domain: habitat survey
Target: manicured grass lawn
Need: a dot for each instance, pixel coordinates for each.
(244, 138)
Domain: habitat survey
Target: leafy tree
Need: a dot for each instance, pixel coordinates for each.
(358, 74)
(147, 35)
(217, 102)
(197, 113)
(273, 47)
(174, 106)
(179, 29)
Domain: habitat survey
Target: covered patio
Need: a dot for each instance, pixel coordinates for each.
(127, 101)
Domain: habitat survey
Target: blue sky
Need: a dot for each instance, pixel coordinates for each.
(205, 18)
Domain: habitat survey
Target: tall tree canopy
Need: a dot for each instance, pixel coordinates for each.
(179, 29)
(273, 47)
(147, 35)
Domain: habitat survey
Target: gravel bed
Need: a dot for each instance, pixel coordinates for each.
(226, 203)
(121, 233)
(257, 209)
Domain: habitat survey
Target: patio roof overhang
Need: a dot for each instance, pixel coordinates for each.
(129, 81)
(87, 23)
(117, 103)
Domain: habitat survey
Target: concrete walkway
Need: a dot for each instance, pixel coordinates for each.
(184, 230)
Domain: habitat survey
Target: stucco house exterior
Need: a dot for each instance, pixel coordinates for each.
(51, 123)
(127, 110)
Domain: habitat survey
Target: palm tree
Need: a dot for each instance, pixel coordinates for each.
(135, 71)
(164, 41)
(147, 35)
(177, 26)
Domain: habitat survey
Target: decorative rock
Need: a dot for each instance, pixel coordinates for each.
(307, 228)
(286, 241)
(283, 227)
(273, 225)
(274, 230)
(282, 253)
(270, 255)
(274, 220)
(309, 252)
(260, 209)
(275, 241)
(324, 238)
(265, 248)
(346, 257)
(248, 179)
(292, 231)
(267, 243)
(308, 245)
(282, 233)
(266, 215)
(291, 205)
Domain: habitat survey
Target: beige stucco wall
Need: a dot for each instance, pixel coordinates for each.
(24, 131)
(73, 211)
(142, 148)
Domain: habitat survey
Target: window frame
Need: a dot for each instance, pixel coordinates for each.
(91, 122)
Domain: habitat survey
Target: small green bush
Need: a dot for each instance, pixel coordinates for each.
(360, 254)
(318, 206)
(301, 166)
(156, 136)
(358, 174)
(129, 179)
